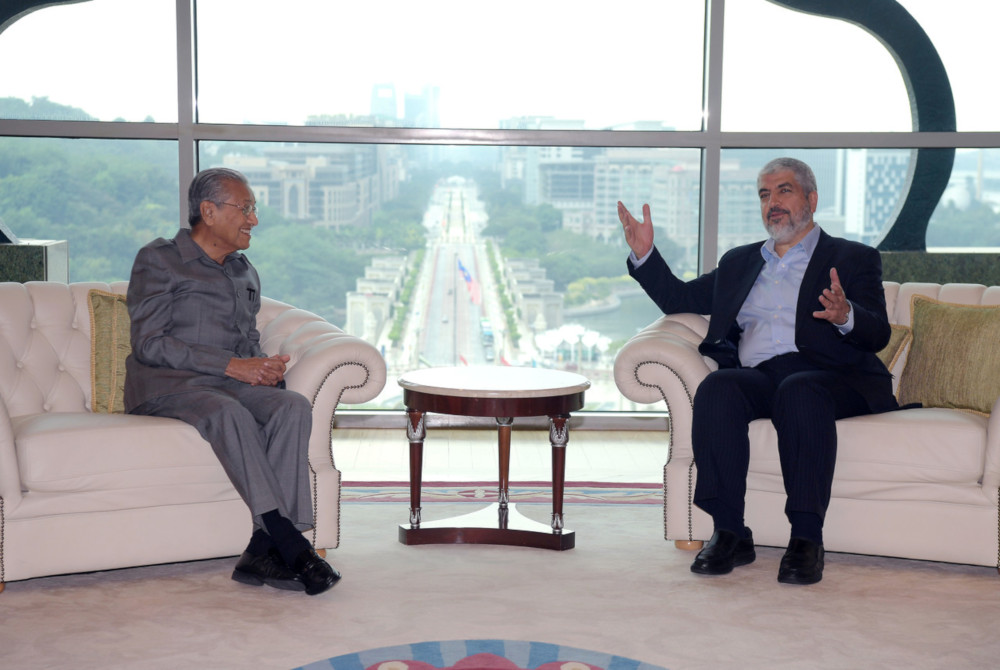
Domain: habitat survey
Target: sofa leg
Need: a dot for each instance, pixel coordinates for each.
(2, 585)
(689, 545)
(321, 552)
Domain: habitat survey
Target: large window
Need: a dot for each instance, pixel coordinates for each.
(558, 64)
(440, 178)
(104, 60)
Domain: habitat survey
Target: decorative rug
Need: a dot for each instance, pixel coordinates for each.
(521, 492)
(479, 655)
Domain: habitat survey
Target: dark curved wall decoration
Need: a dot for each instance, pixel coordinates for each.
(12, 10)
(932, 106)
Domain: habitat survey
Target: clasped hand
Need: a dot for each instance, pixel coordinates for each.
(258, 371)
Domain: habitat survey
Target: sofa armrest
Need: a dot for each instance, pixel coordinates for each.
(662, 362)
(991, 469)
(10, 477)
(328, 367)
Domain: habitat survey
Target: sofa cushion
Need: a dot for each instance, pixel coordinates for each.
(953, 360)
(81, 451)
(912, 445)
(110, 345)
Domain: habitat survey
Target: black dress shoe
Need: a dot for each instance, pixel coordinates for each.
(724, 552)
(802, 562)
(315, 573)
(267, 568)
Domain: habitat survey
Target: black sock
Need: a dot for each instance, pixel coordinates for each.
(725, 517)
(287, 539)
(807, 525)
(260, 542)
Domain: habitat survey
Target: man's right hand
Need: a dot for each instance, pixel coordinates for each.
(258, 371)
(638, 234)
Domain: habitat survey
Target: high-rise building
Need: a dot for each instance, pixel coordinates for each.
(383, 103)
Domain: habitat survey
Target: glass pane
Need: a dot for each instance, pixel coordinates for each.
(964, 34)
(858, 191)
(968, 216)
(467, 255)
(105, 60)
(453, 64)
(843, 80)
(107, 198)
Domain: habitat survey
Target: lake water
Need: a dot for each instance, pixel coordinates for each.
(635, 313)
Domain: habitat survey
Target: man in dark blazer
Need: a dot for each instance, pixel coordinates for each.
(794, 324)
(196, 356)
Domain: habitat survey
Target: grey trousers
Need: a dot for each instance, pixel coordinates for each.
(260, 434)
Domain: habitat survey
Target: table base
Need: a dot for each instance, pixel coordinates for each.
(491, 525)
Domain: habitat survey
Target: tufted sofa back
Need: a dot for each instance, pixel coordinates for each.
(45, 344)
(897, 296)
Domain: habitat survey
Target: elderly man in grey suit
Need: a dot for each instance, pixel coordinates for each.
(196, 357)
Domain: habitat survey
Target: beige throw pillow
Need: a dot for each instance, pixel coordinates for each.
(110, 345)
(954, 360)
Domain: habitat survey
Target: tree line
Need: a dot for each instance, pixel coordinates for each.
(108, 198)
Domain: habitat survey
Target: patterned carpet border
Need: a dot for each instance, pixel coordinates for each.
(520, 492)
(479, 655)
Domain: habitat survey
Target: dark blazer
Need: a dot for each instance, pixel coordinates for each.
(720, 294)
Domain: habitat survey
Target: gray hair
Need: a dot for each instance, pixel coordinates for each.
(803, 173)
(210, 185)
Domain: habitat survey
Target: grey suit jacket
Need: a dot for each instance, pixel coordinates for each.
(190, 316)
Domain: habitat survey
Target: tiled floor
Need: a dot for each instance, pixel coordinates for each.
(457, 455)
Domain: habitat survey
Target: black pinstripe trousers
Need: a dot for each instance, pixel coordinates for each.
(803, 403)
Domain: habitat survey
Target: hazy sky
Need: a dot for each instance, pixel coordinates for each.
(606, 64)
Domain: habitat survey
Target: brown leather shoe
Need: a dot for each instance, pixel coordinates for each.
(724, 552)
(268, 568)
(802, 562)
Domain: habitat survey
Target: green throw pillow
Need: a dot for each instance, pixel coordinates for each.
(110, 345)
(897, 343)
(954, 360)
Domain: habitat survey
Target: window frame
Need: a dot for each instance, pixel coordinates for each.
(711, 140)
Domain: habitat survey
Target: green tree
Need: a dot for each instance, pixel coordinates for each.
(307, 267)
(976, 226)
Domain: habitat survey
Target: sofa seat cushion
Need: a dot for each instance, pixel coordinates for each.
(925, 445)
(81, 451)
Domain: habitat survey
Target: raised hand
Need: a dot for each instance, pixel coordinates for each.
(638, 235)
(835, 304)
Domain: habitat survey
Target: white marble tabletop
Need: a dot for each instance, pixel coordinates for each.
(494, 381)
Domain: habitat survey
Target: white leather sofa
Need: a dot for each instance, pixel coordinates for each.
(918, 483)
(84, 491)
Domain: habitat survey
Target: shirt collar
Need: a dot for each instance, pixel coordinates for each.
(807, 244)
(190, 251)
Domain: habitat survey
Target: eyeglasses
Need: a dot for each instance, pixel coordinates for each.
(246, 209)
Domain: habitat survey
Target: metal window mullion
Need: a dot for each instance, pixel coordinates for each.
(187, 159)
(711, 157)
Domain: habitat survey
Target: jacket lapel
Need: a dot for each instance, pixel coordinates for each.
(815, 279)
